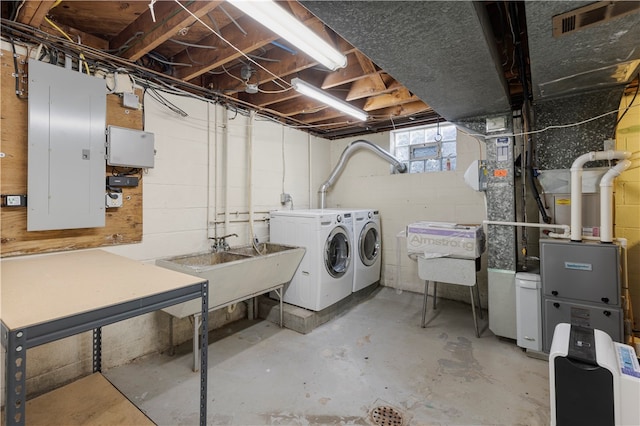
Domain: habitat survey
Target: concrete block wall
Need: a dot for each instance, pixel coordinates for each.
(184, 199)
(366, 182)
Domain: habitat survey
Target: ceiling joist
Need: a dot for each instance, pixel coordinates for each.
(188, 45)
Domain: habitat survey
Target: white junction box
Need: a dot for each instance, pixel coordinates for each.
(113, 200)
(445, 239)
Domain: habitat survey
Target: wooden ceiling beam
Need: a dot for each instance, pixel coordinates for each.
(170, 18)
(352, 72)
(286, 65)
(325, 114)
(402, 110)
(281, 63)
(397, 97)
(372, 86)
(345, 122)
(76, 35)
(264, 99)
(257, 37)
(306, 106)
(299, 105)
(367, 65)
(34, 12)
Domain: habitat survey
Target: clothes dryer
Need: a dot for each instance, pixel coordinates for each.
(367, 247)
(367, 241)
(325, 274)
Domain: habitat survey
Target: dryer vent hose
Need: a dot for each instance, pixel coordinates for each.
(350, 149)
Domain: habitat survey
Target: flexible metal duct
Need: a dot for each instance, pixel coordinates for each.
(350, 149)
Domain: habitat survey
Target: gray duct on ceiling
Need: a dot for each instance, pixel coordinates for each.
(580, 61)
(444, 52)
(441, 51)
(571, 80)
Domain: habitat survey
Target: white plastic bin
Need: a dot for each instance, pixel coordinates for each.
(529, 311)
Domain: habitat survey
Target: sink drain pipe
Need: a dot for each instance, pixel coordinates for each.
(350, 149)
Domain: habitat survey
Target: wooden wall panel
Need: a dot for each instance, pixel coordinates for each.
(122, 226)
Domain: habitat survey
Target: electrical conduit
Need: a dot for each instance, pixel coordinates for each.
(350, 149)
(576, 185)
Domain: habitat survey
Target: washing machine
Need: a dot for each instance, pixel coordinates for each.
(367, 243)
(325, 274)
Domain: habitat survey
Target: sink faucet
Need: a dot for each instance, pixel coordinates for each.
(220, 243)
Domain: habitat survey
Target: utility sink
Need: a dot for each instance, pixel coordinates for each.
(200, 261)
(235, 275)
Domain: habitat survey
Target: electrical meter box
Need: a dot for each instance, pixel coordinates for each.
(130, 148)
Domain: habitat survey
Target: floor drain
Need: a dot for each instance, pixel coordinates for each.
(386, 416)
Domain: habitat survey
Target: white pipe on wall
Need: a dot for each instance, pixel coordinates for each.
(212, 204)
(225, 133)
(310, 168)
(533, 225)
(606, 200)
(576, 185)
(252, 116)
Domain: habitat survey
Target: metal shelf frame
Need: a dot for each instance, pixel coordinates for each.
(19, 340)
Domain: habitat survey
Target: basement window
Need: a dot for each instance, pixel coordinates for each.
(426, 149)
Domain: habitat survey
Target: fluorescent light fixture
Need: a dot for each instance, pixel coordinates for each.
(305, 88)
(278, 20)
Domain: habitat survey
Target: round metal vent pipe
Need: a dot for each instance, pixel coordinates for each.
(350, 149)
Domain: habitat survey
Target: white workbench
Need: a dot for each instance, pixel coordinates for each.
(46, 298)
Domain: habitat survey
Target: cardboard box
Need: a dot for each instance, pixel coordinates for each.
(445, 239)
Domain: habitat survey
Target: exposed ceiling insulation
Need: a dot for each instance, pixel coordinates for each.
(409, 62)
(599, 55)
(443, 52)
(448, 55)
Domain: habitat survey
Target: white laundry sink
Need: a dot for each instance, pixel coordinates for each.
(235, 275)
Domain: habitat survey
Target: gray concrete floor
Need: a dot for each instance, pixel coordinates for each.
(375, 354)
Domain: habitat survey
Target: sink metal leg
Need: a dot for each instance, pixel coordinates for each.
(473, 311)
(435, 295)
(478, 298)
(172, 348)
(196, 340)
(279, 293)
(250, 310)
(424, 304)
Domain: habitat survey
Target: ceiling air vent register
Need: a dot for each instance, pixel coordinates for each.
(592, 14)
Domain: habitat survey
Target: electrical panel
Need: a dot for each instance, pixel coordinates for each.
(130, 148)
(66, 166)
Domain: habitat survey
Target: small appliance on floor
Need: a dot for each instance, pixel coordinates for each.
(592, 379)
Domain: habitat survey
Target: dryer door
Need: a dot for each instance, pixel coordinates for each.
(369, 244)
(337, 252)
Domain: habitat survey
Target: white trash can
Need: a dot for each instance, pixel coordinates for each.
(529, 311)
